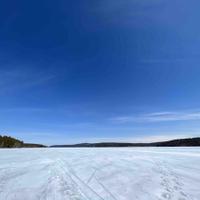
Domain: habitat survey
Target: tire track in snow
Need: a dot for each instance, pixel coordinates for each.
(93, 176)
(84, 187)
(106, 189)
(60, 186)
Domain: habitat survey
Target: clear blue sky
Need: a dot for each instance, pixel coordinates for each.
(78, 71)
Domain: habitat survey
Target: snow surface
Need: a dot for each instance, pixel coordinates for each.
(100, 174)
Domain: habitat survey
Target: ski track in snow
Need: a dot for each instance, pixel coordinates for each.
(100, 174)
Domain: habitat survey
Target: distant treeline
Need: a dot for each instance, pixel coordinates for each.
(171, 143)
(10, 142)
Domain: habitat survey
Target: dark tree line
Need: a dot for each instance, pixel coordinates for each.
(10, 142)
(171, 143)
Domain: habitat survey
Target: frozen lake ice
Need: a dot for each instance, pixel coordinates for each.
(100, 174)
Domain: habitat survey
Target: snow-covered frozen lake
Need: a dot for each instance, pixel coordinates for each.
(100, 174)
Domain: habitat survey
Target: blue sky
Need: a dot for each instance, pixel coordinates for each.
(84, 71)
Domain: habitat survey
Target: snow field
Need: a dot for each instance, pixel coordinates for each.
(100, 174)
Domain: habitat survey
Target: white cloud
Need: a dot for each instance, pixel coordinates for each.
(159, 117)
(17, 79)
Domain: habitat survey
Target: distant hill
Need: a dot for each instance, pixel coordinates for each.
(10, 142)
(171, 143)
(180, 142)
(31, 145)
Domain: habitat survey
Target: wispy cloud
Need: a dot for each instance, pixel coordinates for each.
(16, 79)
(158, 61)
(159, 117)
(24, 109)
